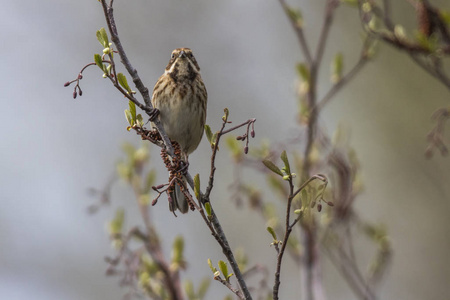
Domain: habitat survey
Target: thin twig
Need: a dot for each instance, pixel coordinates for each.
(363, 59)
(300, 35)
(289, 226)
(323, 36)
(221, 238)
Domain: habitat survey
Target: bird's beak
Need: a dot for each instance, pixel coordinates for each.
(182, 54)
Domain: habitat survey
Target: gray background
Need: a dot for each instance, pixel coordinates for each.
(53, 148)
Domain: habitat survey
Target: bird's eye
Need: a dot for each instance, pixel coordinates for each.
(190, 54)
(173, 55)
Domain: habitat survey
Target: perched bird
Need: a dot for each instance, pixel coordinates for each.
(181, 98)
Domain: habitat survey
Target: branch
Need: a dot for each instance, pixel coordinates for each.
(299, 31)
(323, 37)
(221, 238)
(363, 59)
(290, 226)
(143, 90)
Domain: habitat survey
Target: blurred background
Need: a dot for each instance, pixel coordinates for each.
(54, 148)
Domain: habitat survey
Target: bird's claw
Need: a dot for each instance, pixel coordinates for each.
(153, 114)
(184, 167)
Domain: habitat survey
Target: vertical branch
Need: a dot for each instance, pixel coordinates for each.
(289, 227)
(323, 37)
(221, 238)
(153, 247)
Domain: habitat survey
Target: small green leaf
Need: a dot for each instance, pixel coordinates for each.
(197, 186)
(337, 68)
(445, 16)
(298, 211)
(225, 116)
(272, 232)
(149, 180)
(213, 269)
(284, 158)
(351, 2)
(399, 32)
(140, 120)
(102, 37)
(123, 82)
(295, 15)
(204, 286)
(98, 61)
(214, 139)
(189, 289)
(223, 268)
(178, 248)
(303, 71)
(132, 107)
(116, 225)
(272, 167)
(129, 117)
(208, 209)
(208, 133)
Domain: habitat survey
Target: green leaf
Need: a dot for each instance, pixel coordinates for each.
(208, 133)
(123, 82)
(295, 15)
(98, 61)
(178, 248)
(337, 68)
(189, 289)
(208, 209)
(225, 116)
(303, 71)
(116, 225)
(213, 269)
(102, 37)
(197, 186)
(284, 158)
(272, 167)
(149, 180)
(129, 117)
(140, 120)
(445, 16)
(132, 107)
(351, 2)
(272, 232)
(214, 139)
(223, 268)
(204, 286)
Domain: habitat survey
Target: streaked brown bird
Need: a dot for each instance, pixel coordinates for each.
(181, 98)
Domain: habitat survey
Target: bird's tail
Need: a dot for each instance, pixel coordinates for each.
(179, 201)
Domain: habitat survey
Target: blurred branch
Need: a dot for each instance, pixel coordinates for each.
(429, 48)
(363, 59)
(296, 23)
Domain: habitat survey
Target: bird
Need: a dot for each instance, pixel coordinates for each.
(181, 98)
